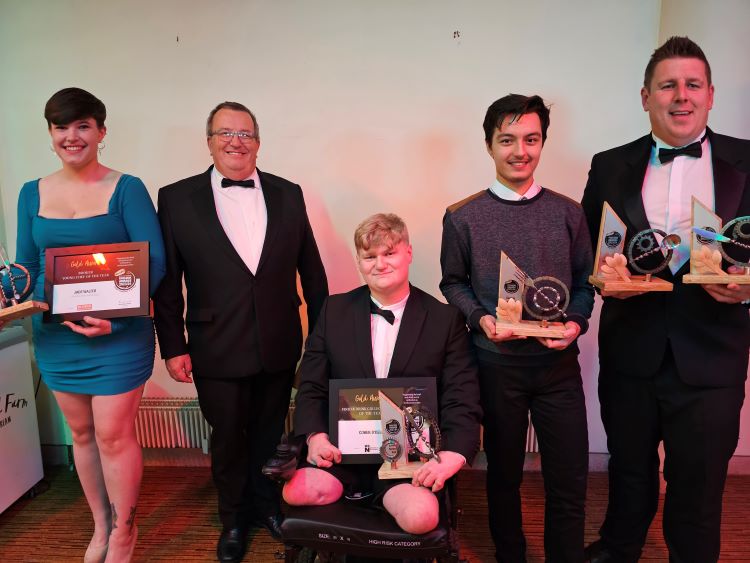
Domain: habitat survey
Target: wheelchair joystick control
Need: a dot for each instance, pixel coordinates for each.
(282, 465)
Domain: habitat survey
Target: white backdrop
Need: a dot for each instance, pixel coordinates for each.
(369, 106)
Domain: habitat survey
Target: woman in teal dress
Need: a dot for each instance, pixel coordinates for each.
(96, 369)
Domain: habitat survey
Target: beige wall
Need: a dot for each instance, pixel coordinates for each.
(369, 106)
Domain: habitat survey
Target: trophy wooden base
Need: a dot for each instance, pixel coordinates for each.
(533, 328)
(22, 310)
(741, 279)
(637, 284)
(405, 470)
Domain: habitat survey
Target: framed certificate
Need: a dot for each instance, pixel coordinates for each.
(354, 425)
(101, 280)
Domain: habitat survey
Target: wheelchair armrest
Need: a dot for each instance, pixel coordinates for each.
(281, 466)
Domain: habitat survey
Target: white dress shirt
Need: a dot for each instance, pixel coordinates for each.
(504, 192)
(384, 335)
(667, 191)
(243, 216)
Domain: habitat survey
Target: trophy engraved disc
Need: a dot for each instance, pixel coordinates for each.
(15, 286)
(735, 244)
(647, 254)
(541, 298)
(653, 243)
(391, 451)
(710, 244)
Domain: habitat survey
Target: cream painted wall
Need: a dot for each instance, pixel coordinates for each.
(370, 107)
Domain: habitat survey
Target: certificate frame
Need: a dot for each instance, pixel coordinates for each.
(341, 390)
(124, 265)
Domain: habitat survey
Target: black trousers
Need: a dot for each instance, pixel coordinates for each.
(554, 396)
(700, 429)
(247, 420)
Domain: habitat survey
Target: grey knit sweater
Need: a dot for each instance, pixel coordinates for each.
(546, 235)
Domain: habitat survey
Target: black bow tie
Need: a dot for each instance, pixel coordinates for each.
(386, 314)
(226, 182)
(693, 149)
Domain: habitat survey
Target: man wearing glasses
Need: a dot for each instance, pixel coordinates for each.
(238, 236)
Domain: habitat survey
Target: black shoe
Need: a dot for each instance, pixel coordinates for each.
(232, 545)
(596, 553)
(272, 524)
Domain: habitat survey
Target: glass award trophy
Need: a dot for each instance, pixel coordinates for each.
(709, 244)
(411, 437)
(15, 286)
(648, 253)
(544, 298)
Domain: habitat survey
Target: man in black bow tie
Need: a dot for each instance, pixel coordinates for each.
(672, 365)
(386, 328)
(239, 237)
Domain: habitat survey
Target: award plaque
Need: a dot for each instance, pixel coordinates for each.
(411, 437)
(648, 253)
(104, 281)
(709, 244)
(15, 286)
(357, 428)
(544, 298)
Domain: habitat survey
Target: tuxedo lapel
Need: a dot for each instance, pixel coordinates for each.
(363, 333)
(729, 182)
(205, 209)
(408, 334)
(636, 163)
(272, 196)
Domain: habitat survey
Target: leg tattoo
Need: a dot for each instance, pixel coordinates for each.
(114, 516)
(131, 518)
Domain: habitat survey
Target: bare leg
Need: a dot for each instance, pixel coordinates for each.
(122, 466)
(415, 509)
(78, 413)
(312, 487)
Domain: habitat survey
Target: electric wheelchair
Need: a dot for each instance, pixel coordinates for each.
(346, 529)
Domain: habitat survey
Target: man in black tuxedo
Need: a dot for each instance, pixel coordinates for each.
(387, 328)
(672, 365)
(239, 236)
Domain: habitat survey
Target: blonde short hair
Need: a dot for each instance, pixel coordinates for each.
(378, 229)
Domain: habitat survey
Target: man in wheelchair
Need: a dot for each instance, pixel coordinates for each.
(386, 328)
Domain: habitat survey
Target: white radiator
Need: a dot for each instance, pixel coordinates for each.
(172, 423)
(177, 423)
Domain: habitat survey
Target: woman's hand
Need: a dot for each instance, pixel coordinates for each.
(96, 327)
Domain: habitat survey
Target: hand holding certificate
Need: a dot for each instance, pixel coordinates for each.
(103, 281)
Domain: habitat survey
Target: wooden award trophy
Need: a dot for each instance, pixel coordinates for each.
(406, 432)
(15, 285)
(611, 271)
(544, 298)
(709, 243)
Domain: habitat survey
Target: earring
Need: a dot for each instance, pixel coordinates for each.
(51, 148)
(101, 147)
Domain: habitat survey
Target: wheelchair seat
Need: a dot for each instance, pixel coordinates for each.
(356, 527)
(348, 527)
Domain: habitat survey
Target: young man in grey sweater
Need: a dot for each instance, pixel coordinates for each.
(545, 234)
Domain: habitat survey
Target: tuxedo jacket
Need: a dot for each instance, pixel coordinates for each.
(232, 312)
(432, 342)
(709, 339)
